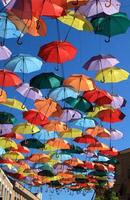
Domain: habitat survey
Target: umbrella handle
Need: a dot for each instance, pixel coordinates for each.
(108, 40)
(108, 5)
(19, 42)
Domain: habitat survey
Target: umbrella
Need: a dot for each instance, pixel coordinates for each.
(110, 115)
(86, 139)
(98, 96)
(98, 131)
(118, 101)
(12, 135)
(7, 118)
(3, 96)
(5, 53)
(115, 134)
(57, 144)
(39, 158)
(98, 146)
(13, 155)
(79, 82)
(24, 63)
(35, 117)
(110, 152)
(21, 149)
(29, 92)
(61, 156)
(46, 81)
(6, 143)
(100, 6)
(57, 52)
(44, 135)
(72, 133)
(111, 25)
(32, 143)
(83, 123)
(6, 128)
(14, 103)
(100, 62)
(47, 106)
(8, 79)
(73, 150)
(46, 8)
(73, 162)
(62, 93)
(25, 128)
(56, 126)
(69, 114)
(112, 75)
(96, 110)
(76, 21)
(60, 167)
(80, 103)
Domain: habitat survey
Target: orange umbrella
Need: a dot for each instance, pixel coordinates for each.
(74, 162)
(58, 112)
(58, 143)
(67, 177)
(56, 126)
(79, 82)
(99, 132)
(39, 158)
(100, 167)
(46, 106)
(3, 96)
(97, 147)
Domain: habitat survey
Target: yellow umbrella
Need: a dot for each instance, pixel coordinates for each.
(13, 155)
(72, 133)
(25, 128)
(7, 143)
(76, 21)
(97, 109)
(112, 75)
(14, 103)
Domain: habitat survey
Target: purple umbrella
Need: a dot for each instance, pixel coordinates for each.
(94, 7)
(116, 135)
(100, 62)
(29, 92)
(5, 53)
(5, 128)
(69, 114)
(8, 3)
(59, 167)
(118, 102)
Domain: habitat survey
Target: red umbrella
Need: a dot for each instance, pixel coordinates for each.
(98, 96)
(110, 115)
(8, 78)
(50, 8)
(35, 117)
(13, 135)
(16, 175)
(57, 52)
(86, 139)
(6, 161)
(21, 149)
(110, 152)
(87, 165)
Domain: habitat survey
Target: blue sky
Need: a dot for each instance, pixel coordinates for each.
(88, 45)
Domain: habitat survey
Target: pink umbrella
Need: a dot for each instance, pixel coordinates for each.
(94, 7)
(69, 114)
(59, 167)
(100, 62)
(8, 3)
(5, 53)
(5, 128)
(115, 134)
(118, 102)
(29, 92)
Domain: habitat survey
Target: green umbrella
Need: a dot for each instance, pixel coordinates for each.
(7, 118)
(32, 143)
(79, 169)
(73, 150)
(80, 103)
(110, 25)
(46, 81)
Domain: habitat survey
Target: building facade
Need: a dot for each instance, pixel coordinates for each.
(12, 190)
(122, 185)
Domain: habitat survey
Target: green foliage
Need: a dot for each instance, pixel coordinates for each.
(107, 195)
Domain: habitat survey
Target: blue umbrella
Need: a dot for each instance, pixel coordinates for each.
(61, 93)
(7, 28)
(83, 123)
(2, 151)
(24, 63)
(61, 157)
(44, 135)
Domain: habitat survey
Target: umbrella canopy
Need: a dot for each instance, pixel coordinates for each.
(35, 117)
(73, 150)
(57, 52)
(25, 128)
(100, 62)
(62, 93)
(44, 135)
(100, 6)
(69, 114)
(110, 152)
(72, 133)
(13, 155)
(12, 135)
(47, 106)
(86, 139)
(115, 134)
(99, 131)
(7, 143)
(56, 126)
(112, 75)
(111, 25)
(79, 82)
(39, 158)
(3, 96)
(14, 103)
(7, 118)
(80, 103)
(29, 92)
(24, 63)
(32, 143)
(6, 128)
(5, 53)
(46, 81)
(83, 123)
(76, 21)
(118, 101)
(21, 149)
(8, 79)
(74, 162)
(57, 144)
(61, 156)
(98, 146)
